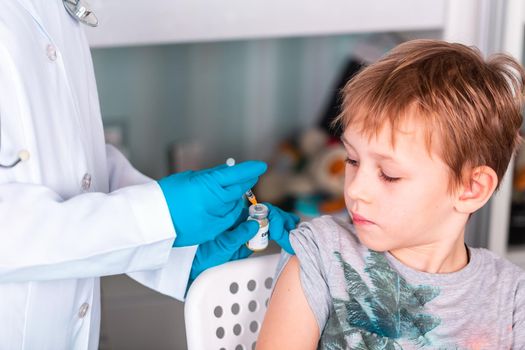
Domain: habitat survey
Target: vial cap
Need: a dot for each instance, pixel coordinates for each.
(258, 211)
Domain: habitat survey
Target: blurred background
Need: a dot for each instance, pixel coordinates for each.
(187, 84)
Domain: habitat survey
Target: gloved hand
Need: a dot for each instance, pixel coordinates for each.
(204, 203)
(229, 246)
(281, 223)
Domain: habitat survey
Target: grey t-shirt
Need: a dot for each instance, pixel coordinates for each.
(364, 299)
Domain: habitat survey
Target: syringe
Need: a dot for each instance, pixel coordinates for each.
(251, 197)
(249, 194)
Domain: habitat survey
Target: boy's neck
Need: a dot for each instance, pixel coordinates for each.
(442, 257)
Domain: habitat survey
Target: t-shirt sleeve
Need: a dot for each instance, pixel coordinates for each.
(313, 269)
(518, 324)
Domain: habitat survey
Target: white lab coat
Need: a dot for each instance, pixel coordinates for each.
(76, 209)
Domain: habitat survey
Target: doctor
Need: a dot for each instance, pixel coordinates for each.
(73, 208)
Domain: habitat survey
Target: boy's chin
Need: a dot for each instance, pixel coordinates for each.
(373, 244)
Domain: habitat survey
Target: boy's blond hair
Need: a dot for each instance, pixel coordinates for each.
(473, 106)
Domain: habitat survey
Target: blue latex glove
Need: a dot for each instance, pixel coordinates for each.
(229, 246)
(281, 223)
(205, 203)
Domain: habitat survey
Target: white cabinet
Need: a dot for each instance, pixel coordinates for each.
(139, 22)
(493, 26)
(512, 42)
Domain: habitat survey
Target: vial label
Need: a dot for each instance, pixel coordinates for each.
(260, 240)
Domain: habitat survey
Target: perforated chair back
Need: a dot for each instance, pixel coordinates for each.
(225, 305)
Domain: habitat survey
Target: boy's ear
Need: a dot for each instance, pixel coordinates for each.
(476, 190)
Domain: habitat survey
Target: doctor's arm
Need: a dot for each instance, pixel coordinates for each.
(289, 323)
(121, 172)
(45, 237)
(171, 278)
(206, 207)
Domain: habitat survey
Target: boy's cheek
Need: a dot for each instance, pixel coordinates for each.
(348, 202)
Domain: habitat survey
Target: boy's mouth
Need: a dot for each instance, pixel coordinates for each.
(360, 220)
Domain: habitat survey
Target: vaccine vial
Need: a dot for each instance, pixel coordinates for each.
(259, 213)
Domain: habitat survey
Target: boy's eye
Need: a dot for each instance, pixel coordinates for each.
(382, 175)
(351, 161)
(387, 178)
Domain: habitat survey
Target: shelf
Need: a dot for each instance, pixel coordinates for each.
(138, 22)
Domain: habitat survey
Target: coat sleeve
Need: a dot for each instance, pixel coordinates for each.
(44, 237)
(172, 278)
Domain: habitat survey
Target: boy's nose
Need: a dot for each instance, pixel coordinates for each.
(357, 188)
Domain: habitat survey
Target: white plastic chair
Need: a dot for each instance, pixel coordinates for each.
(225, 305)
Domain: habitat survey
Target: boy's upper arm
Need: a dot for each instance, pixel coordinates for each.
(289, 322)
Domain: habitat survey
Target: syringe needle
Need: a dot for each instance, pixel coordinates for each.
(249, 194)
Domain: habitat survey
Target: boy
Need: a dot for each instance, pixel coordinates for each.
(429, 130)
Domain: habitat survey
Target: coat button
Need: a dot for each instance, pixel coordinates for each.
(83, 310)
(86, 182)
(51, 52)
